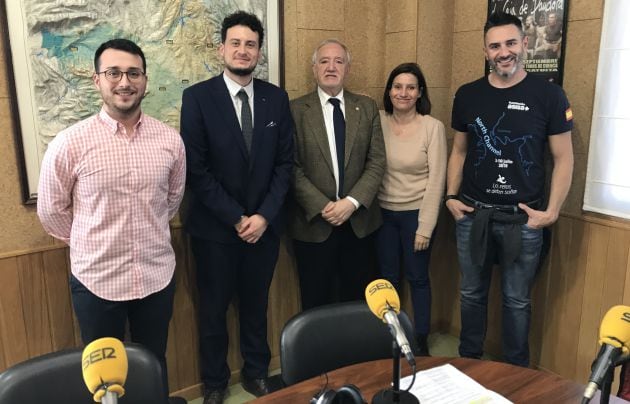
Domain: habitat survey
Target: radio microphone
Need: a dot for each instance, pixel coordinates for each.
(385, 304)
(104, 363)
(614, 335)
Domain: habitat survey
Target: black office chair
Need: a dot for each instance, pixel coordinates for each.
(57, 378)
(333, 336)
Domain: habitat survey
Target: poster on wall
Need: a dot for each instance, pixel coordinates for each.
(545, 26)
(52, 45)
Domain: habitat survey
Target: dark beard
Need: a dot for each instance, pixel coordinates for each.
(241, 72)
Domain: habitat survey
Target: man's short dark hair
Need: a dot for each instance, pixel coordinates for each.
(246, 19)
(423, 104)
(499, 18)
(121, 44)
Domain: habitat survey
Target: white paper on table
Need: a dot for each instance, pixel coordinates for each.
(447, 385)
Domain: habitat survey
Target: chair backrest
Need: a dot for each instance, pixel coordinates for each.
(57, 378)
(333, 336)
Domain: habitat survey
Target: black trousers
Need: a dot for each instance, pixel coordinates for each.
(335, 270)
(148, 319)
(223, 271)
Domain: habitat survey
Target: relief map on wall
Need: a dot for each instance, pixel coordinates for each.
(58, 39)
(177, 37)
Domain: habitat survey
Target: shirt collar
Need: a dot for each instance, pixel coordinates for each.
(323, 97)
(234, 87)
(114, 124)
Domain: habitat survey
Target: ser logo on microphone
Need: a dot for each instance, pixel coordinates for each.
(98, 355)
(379, 286)
(625, 317)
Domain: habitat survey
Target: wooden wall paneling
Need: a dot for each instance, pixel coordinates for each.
(614, 281)
(437, 267)
(34, 302)
(284, 297)
(592, 308)
(626, 288)
(3, 364)
(559, 253)
(5, 342)
(564, 301)
(537, 320)
(172, 357)
(575, 271)
(184, 324)
(59, 302)
(12, 326)
(616, 264)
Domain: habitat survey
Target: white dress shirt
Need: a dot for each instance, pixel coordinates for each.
(233, 89)
(327, 109)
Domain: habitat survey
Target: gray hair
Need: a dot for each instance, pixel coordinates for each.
(327, 42)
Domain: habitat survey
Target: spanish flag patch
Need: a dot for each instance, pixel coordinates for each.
(568, 114)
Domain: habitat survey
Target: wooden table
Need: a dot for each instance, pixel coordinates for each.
(517, 384)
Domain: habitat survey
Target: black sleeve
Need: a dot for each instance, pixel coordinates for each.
(457, 117)
(560, 118)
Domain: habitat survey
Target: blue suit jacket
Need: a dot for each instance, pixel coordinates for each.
(224, 181)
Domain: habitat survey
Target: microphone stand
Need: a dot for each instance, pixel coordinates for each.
(395, 395)
(624, 381)
(110, 398)
(604, 398)
(605, 389)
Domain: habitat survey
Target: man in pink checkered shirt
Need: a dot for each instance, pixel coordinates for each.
(108, 187)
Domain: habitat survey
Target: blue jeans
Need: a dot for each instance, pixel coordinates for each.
(516, 282)
(394, 243)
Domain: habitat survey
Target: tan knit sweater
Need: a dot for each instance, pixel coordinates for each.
(416, 170)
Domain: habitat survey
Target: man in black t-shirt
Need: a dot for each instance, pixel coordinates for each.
(496, 180)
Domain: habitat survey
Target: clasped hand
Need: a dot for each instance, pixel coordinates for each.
(250, 229)
(336, 213)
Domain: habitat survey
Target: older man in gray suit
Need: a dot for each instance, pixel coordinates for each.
(339, 164)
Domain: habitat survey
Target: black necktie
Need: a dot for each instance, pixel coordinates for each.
(340, 140)
(246, 119)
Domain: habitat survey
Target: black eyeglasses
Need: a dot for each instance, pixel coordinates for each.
(115, 75)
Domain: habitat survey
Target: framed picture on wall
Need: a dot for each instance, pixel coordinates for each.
(50, 49)
(545, 26)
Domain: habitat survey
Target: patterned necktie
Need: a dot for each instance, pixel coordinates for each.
(340, 140)
(246, 119)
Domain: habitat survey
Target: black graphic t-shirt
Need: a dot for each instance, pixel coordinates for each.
(507, 131)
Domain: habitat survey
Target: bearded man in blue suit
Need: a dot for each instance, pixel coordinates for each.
(238, 134)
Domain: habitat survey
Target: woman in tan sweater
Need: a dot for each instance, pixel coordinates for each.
(412, 189)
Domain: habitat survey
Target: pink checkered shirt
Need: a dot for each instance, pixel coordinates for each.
(110, 196)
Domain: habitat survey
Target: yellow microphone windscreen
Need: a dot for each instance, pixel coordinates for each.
(104, 363)
(379, 294)
(615, 327)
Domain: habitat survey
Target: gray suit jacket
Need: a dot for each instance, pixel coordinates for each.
(314, 182)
